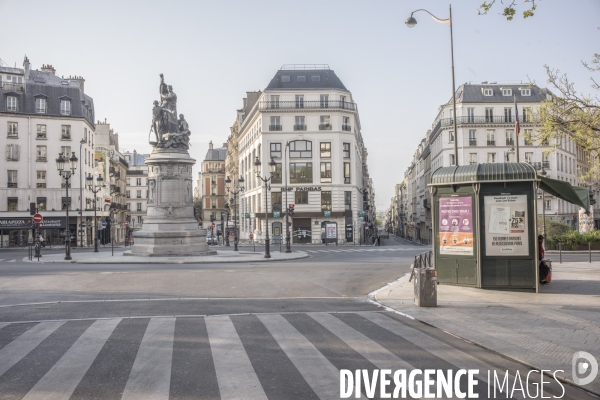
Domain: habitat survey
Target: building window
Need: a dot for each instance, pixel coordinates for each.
(346, 124)
(325, 150)
(42, 154)
(315, 78)
(140, 219)
(301, 172)
(325, 172)
(65, 151)
(40, 105)
(527, 137)
(450, 136)
(66, 132)
(274, 101)
(347, 172)
(299, 101)
(491, 137)
(472, 137)
(138, 194)
(491, 158)
(346, 150)
(275, 124)
(347, 201)
(489, 114)
(275, 150)
(471, 114)
(41, 131)
(41, 204)
(13, 204)
(139, 207)
(548, 205)
(285, 78)
(12, 152)
(325, 123)
(276, 177)
(507, 114)
(299, 124)
(275, 201)
(41, 179)
(506, 92)
(472, 158)
(65, 107)
(488, 92)
(452, 159)
(64, 183)
(324, 100)
(12, 178)
(13, 129)
(301, 197)
(11, 103)
(528, 157)
(138, 181)
(326, 201)
(525, 92)
(128, 194)
(301, 78)
(301, 149)
(510, 137)
(527, 114)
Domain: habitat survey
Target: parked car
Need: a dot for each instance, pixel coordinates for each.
(210, 239)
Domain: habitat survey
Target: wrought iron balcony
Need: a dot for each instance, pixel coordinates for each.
(546, 164)
(472, 142)
(510, 142)
(12, 87)
(346, 128)
(41, 185)
(491, 142)
(12, 184)
(311, 105)
(41, 159)
(111, 171)
(487, 120)
(118, 174)
(299, 127)
(275, 127)
(324, 127)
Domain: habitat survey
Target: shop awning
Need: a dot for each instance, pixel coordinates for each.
(564, 190)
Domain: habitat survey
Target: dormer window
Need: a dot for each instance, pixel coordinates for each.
(65, 107)
(488, 92)
(525, 92)
(506, 92)
(285, 78)
(315, 78)
(40, 105)
(301, 78)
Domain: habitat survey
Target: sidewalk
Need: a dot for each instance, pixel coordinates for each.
(541, 330)
(219, 258)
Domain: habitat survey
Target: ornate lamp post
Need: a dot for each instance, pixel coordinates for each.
(272, 170)
(81, 143)
(239, 188)
(543, 173)
(226, 232)
(411, 22)
(288, 247)
(66, 174)
(95, 190)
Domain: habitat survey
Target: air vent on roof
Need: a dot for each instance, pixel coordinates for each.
(64, 82)
(39, 80)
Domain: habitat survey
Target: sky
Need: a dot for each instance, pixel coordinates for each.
(212, 52)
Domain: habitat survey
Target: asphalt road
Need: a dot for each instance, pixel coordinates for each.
(236, 331)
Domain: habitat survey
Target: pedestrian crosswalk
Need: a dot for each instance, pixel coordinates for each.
(263, 356)
(367, 249)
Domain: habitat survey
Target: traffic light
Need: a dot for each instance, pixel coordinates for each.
(291, 209)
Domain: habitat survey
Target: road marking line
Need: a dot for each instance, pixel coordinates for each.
(316, 369)
(62, 379)
(2, 259)
(150, 376)
(13, 352)
(235, 375)
(12, 260)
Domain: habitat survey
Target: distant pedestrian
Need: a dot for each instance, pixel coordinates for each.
(378, 240)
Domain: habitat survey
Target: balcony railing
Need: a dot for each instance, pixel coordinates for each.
(510, 142)
(111, 171)
(316, 104)
(486, 120)
(275, 127)
(491, 142)
(299, 127)
(41, 185)
(12, 184)
(546, 164)
(41, 159)
(472, 142)
(346, 128)
(118, 174)
(324, 127)
(9, 86)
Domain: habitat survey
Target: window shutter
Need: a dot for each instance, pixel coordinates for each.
(8, 151)
(16, 152)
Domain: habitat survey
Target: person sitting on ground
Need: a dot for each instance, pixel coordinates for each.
(543, 267)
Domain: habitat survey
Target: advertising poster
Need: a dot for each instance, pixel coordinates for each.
(506, 225)
(456, 225)
(331, 231)
(586, 220)
(101, 163)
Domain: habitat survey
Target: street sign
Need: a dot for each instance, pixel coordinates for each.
(126, 224)
(247, 215)
(103, 224)
(327, 213)
(361, 213)
(213, 224)
(37, 218)
(276, 214)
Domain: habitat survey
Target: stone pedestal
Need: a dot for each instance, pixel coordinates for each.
(170, 228)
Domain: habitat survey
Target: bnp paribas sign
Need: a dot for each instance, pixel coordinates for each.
(303, 189)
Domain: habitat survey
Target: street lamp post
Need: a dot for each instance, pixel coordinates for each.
(272, 169)
(238, 188)
(411, 22)
(288, 247)
(543, 173)
(95, 190)
(226, 233)
(66, 174)
(81, 142)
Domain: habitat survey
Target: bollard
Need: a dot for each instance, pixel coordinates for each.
(590, 251)
(560, 253)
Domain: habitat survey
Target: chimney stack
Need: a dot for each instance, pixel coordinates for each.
(79, 80)
(26, 67)
(210, 145)
(48, 68)
(134, 157)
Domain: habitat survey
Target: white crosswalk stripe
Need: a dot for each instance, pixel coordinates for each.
(12, 260)
(235, 374)
(62, 379)
(21, 346)
(2, 259)
(151, 373)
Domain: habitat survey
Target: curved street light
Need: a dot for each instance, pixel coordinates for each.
(411, 22)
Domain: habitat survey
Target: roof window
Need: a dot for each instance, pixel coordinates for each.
(488, 92)
(525, 92)
(315, 78)
(301, 78)
(285, 78)
(506, 92)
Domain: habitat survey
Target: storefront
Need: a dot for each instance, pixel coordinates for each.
(15, 232)
(302, 230)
